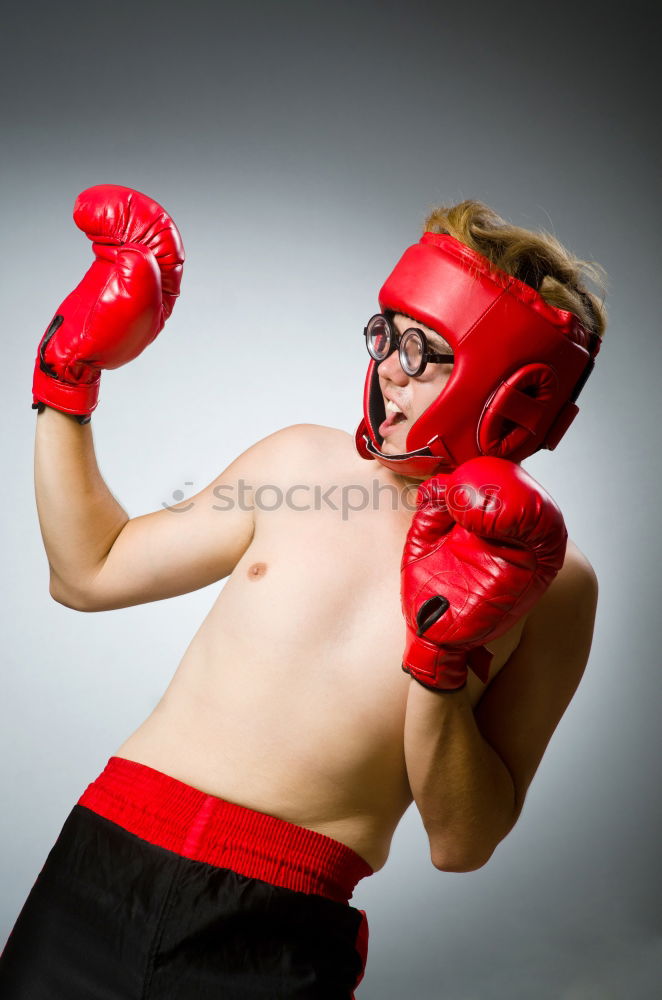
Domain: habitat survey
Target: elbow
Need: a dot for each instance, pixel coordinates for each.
(454, 855)
(460, 862)
(66, 597)
(461, 857)
(452, 851)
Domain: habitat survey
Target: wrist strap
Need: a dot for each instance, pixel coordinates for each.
(80, 417)
(441, 668)
(78, 400)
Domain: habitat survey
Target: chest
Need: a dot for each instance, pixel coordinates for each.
(323, 569)
(324, 585)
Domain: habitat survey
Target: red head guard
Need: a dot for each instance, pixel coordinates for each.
(520, 363)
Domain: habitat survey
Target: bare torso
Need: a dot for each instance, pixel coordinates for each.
(290, 698)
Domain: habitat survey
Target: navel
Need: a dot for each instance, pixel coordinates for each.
(256, 570)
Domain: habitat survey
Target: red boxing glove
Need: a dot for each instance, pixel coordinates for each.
(482, 548)
(120, 305)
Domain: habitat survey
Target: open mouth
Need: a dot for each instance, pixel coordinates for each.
(394, 416)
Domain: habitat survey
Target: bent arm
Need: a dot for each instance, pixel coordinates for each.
(101, 559)
(469, 770)
(78, 515)
(462, 788)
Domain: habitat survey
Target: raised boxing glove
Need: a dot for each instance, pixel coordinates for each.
(120, 305)
(482, 548)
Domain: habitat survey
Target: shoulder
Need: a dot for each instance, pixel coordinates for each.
(575, 583)
(523, 705)
(562, 622)
(300, 450)
(311, 435)
(309, 440)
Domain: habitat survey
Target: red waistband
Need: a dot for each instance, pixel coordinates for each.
(171, 814)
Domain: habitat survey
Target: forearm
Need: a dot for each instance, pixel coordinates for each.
(78, 515)
(462, 788)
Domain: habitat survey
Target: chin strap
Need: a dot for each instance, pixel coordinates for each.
(421, 463)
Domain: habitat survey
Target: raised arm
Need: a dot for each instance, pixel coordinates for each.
(99, 558)
(113, 314)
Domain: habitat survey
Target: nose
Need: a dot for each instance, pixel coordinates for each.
(391, 369)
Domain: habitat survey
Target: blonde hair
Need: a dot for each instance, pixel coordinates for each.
(536, 258)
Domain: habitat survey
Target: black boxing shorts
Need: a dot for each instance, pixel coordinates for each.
(157, 891)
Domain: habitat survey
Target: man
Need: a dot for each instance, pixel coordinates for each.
(363, 653)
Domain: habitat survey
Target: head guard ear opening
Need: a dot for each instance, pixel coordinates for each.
(517, 415)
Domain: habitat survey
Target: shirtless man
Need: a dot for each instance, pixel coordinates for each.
(217, 853)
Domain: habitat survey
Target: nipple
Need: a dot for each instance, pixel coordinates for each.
(256, 570)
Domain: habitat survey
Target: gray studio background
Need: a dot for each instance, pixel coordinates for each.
(298, 147)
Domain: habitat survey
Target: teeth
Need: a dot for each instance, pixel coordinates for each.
(391, 407)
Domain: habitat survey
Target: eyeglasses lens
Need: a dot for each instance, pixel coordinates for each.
(379, 338)
(411, 352)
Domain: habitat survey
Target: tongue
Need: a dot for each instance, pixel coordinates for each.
(391, 419)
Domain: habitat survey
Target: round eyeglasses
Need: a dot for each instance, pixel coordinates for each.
(382, 339)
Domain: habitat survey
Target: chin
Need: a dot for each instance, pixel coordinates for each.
(397, 446)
